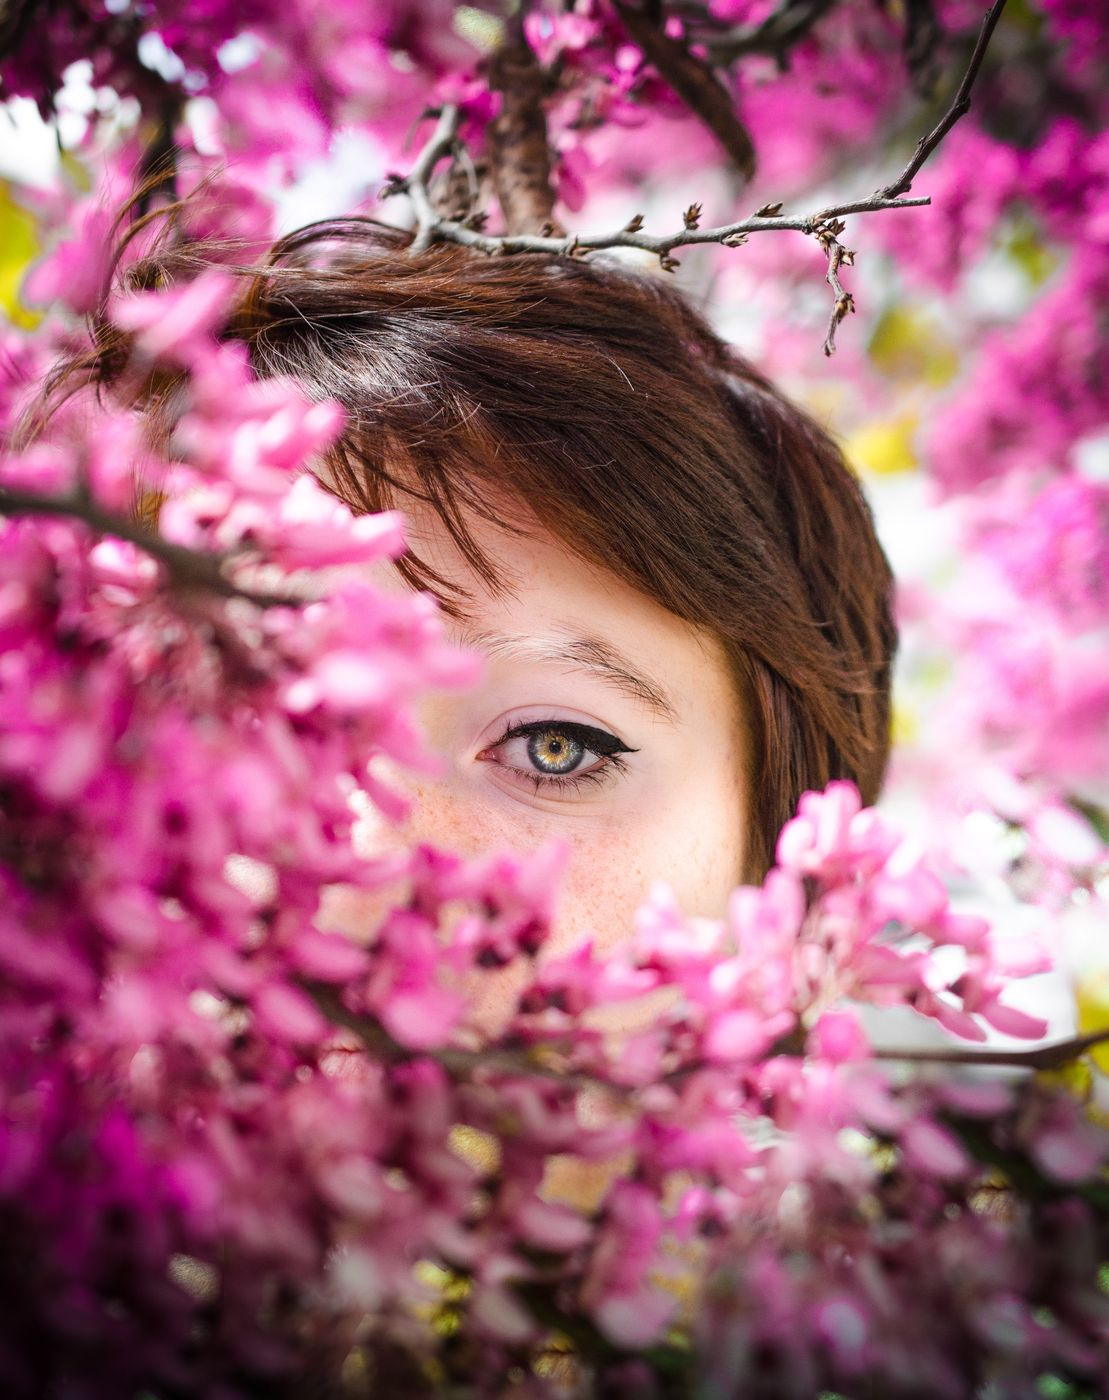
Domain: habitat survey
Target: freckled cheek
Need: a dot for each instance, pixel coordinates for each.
(696, 851)
(440, 817)
(612, 864)
(610, 867)
(470, 825)
(609, 874)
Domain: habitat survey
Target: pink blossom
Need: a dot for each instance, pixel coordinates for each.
(933, 1150)
(839, 1037)
(76, 270)
(176, 324)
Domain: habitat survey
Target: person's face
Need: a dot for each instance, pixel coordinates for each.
(601, 720)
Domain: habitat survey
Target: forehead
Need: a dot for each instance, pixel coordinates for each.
(551, 606)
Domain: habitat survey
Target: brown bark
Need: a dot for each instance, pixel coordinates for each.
(519, 150)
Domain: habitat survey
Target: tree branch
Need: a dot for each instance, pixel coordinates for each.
(923, 33)
(459, 1063)
(780, 31)
(674, 63)
(416, 184)
(432, 227)
(960, 106)
(157, 173)
(837, 255)
(520, 155)
(188, 568)
(694, 82)
(464, 1063)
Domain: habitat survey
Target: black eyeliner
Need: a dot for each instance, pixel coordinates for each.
(598, 741)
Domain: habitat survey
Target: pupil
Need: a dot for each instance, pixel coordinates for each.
(554, 752)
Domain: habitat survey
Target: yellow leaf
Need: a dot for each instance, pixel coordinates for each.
(884, 448)
(1075, 1079)
(1091, 998)
(482, 30)
(479, 1150)
(75, 171)
(904, 725)
(906, 344)
(1028, 250)
(19, 247)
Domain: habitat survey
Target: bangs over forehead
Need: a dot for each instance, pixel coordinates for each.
(576, 393)
(518, 391)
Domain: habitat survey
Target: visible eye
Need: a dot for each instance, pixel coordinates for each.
(558, 753)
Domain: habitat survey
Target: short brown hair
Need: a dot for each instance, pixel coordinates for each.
(677, 466)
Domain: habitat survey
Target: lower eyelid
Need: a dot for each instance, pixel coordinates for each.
(609, 766)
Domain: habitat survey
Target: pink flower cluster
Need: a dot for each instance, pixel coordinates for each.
(1018, 248)
(284, 76)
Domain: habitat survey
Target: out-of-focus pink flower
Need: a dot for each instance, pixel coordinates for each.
(839, 1037)
(177, 324)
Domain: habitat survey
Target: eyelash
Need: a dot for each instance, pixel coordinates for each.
(595, 740)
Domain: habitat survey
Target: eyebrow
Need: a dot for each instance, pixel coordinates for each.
(589, 654)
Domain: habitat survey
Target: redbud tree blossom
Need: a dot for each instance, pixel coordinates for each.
(241, 1155)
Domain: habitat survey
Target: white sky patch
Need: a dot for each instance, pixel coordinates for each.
(344, 181)
(238, 53)
(154, 54)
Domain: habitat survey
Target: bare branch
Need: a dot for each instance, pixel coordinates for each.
(459, 199)
(463, 1064)
(959, 108)
(189, 569)
(825, 225)
(416, 185)
(458, 1063)
(923, 33)
(157, 173)
(431, 227)
(844, 301)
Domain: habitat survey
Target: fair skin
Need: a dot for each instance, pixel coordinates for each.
(601, 720)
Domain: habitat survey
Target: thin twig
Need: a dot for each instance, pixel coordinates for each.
(462, 189)
(459, 1063)
(959, 108)
(188, 568)
(921, 41)
(844, 301)
(429, 224)
(432, 227)
(463, 1064)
